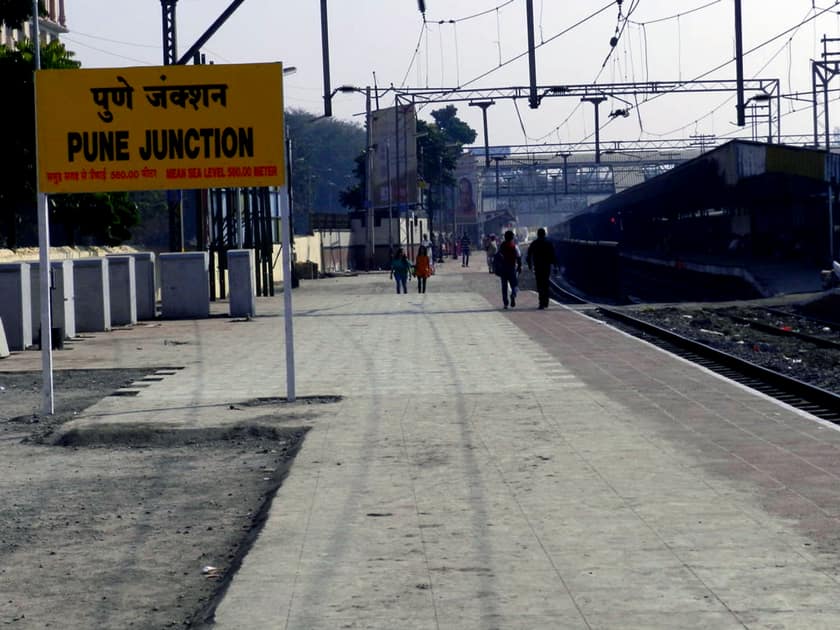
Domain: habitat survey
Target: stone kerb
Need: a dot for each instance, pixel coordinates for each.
(93, 294)
(243, 295)
(16, 304)
(63, 298)
(123, 286)
(185, 285)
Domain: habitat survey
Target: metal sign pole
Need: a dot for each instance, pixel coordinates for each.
(47, 393)
(286, 229)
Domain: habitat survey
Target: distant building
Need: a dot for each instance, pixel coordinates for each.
(52, 25)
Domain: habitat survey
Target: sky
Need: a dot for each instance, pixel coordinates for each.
(662, 40)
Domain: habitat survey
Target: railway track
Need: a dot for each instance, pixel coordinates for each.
(805, 396)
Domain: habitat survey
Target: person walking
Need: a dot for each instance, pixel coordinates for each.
(465, 250)
(430, 247)
(541, 259)
(511, 267)
(491, 249)
(400, 270)
(422, 269)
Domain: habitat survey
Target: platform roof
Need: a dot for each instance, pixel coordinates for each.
(734, 173)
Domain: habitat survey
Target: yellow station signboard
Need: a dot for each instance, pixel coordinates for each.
(157, 128)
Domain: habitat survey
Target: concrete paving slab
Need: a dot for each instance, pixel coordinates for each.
(497, 469)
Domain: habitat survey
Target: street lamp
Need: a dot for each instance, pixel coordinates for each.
(370, 233)
(596, 101)
(484, 105)
(565, 155)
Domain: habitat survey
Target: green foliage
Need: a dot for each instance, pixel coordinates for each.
(440, 144)
(93, 218)
(104, 218)
(453, 128)
(324, 154)
(152, 231)
(353, 197)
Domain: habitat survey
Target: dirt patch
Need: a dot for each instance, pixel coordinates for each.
(126, 527)
(75, 390)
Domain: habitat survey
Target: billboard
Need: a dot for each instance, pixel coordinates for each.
(466, 177)
(158, 128)
(394, 164)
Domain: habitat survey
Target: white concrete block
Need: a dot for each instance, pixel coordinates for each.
(243, 293)
(185, 285)
(123, 285)
(4, 346)
(144, 269)
(16, 304)
(63, 298)
(93, 294)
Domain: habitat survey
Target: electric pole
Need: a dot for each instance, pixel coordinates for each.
(484, 105)
(533, 99)
(596, 101)
(739, 64)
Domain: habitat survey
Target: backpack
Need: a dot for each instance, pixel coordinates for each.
(499, 263)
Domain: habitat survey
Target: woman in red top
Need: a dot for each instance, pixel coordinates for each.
(422, 269)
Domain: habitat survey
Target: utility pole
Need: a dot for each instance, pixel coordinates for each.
(739, 64)
(174, 198)
(484, 105)
(566, 155)
(533, 99)
(325, 52)
(369, 180)
(170, 42)
(824, 71)
(596, 101)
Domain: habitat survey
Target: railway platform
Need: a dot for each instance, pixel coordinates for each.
(487, 468)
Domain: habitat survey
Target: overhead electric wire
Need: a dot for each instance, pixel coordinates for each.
(549, 40)
(416, 52)
(475, 15)
(634, 4)
(677, 15)
(697, 78)
(107, 52)
(116, 41)
(594, 81)
(521, 123)
(723, 65)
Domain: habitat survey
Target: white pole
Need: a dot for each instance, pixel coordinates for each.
(285, 227)
(47, 393)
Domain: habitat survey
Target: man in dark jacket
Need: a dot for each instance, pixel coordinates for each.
(510, 268)
(541, 259)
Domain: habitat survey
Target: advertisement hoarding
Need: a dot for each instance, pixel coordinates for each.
(394, 137)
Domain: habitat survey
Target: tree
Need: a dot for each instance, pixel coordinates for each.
(93, 218)
(18, 220)
(104, 218)
(440, 144)
(353, 197)
(324, 151)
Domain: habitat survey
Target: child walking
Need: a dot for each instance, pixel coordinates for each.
(422, 268)
(400, 270)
